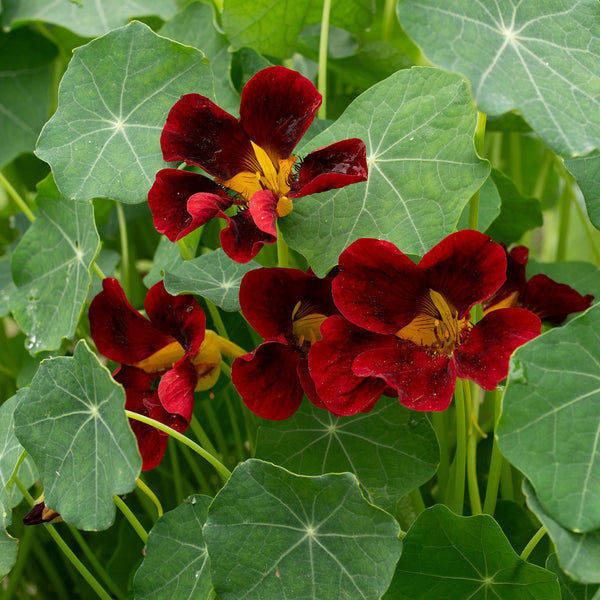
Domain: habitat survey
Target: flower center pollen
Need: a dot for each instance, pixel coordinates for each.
(306, 325)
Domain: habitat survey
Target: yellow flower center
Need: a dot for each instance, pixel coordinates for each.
(163, 359)
(437, 326)
(264, 174)
(305, 326)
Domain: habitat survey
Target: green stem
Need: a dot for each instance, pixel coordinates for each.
(416, 500)
(146, 490)
(514, 139)
(322, 76)
(17, 198)
(49, 572)
(563, 223)
(389, 16)
(479, 140)
(215, 315)
(589, 230)
(533, 542)
(128, 514)
(506, 481)
(224, 473)
(460, 458)
(112, 586)
(439, 420)
(283, 253)
(215, 428)
(176, 471)
(239, 444)
(190, 459)
(98, 271)
(472, 411)
(184, 250)
(202, 435)
(491, 491)
(124, 248)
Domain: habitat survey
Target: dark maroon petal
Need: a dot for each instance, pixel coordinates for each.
(132, 378)
(308, 385)
(268, 297)
(178, 316)
(168, 201)
(484, 356)
(277, 107)
(118, 330)
(267, 381)
(552, 301)
(242, 239)
(176, 389)
(332, 167)
(330, 366)
(151, 442)
(200, 133)
(378, 287)
(422, 382)
(516, 281)
(466, 267)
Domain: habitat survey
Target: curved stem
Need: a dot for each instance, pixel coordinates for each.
(533, 542)
(460, 459)
(493, 483)
(124, 247)
(144, 488)
(322, 77)
(17, 198)
(223, 471)
(201, 434)
(215, 315)
(98, 271)
(184, 250)
(137, 526)
(473, 411)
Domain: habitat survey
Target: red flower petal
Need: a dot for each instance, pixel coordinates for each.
(552, 301)
(308, 385)
(168, 200)
(178, 316)
(378, 287)
(484, 356)
(277, 107)
(467, 267)
(332, 167)
(267, 381)
(268, 297)
(263, 208)
(176, 389)
(330, 365)
(242, 239)
(119, 331)
(200, 133)
(421, 381)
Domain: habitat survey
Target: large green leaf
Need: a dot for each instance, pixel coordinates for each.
(86, 18)
(447, 556)
(391, 450)
(538, 57)
(25, 83)
(272, 534)
(570, 589)
(586, 170)
(51, 268)
(104, 139)
(272, 26)
(176, 563)
(214, 276)
(549, 427)
(418, 126)
(578, 553)
(73, 424)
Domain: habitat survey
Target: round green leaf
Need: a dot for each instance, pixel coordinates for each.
(540, 58)
(272, 534)
(418, 126)
(549, 427)
(176, 564)
(391, 450)
(51, 268)
(447, 556)
(85, 18)
(586, 170)
(570, 589)
(72, 422)
(104, 139)
(25, 83)
(213, 275)
(578, 553)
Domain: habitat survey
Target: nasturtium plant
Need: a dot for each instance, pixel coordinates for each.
(300, 300)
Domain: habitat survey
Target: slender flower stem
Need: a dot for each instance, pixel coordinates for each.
(491, 492)
(144, 488)
(224, 473)
(389, 16)
(479, 143)
(124, 247)
(176, 471)
(472, 411)
(81, 568)
(322, 77)
(239, 444)
(533, 542)
(439, 420)
(216, 429)
(184, 250)
(128, 514)
(506, 481)
(563, 222)
(460, 459)
(282, 251)
(17, 198)
(216, 319)
(202, 435)
(98, 271)
(190, 459)
(514, 141)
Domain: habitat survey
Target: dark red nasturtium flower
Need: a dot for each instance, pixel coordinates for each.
(421, 314)
(251, 157)
(171, 346)
(286, 307)
(549, 300)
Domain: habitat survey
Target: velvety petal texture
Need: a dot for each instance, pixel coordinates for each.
(242, 240)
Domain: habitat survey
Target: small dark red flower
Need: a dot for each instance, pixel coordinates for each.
(421, 314)
(286, 307)
(251, 157)
(171, 347)
(549, 300)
